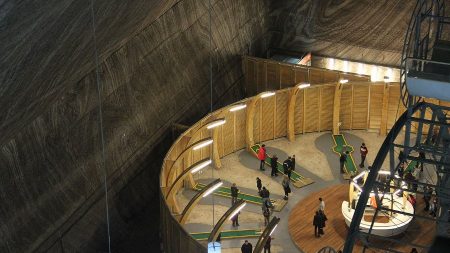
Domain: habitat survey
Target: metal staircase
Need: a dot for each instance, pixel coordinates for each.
(420, 135)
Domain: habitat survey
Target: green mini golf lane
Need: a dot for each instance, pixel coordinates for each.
(230, 234)
(411, 166)
(226, 192)
(341, 145)
(294, 176)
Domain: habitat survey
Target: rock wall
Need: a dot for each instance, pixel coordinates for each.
(361, 30)
(154, 71)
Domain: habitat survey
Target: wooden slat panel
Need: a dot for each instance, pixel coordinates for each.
(206, 151)
(256, 121)
(345, 112)
(298, 115)
(355, 78)
(240, 129)
(393, 104)
(281, 113)
(273, 76)
(376, 106)
(301, 75)
(326, 108)
(252, 87)
(268, 108)
(312, 109)
(287, 76)
(228, 132)
(330, 76)
(220, 137)
(315, 76)
(360, 106)
(261, 76)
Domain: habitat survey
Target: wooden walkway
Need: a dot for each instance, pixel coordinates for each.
(302, 231)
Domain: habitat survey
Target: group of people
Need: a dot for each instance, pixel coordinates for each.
(247, 247)
(344, 156)
(288, 167)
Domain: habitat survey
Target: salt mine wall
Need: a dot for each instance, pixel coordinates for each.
(154, 69)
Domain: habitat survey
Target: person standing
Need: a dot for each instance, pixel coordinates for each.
(322, 220)
(421, 157)
(266, 214)
(321, 205)
(267, 245)
(293, 162)
(274, 165)
(264, 194)
(401, 170)
(258, 184)
(342, 160)
(246, 247)
(363, 150)
(287, 165)
(286, 187)
(234, 193)
(235, 220)
(316, 223)
(262, 156)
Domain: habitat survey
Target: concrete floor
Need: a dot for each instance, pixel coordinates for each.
(314, 159)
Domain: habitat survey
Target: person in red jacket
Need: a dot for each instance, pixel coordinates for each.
(363, 150)
(262, 156)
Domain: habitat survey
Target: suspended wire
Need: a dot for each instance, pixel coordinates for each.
(211, 97)
(100, 122)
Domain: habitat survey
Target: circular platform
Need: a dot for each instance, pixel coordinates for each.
(301, 229)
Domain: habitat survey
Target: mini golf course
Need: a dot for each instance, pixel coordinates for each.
(230, 234)
(297, 179)
(340, 146)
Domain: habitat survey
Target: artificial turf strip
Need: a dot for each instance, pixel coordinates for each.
(341, 145)
(226, 192)
(411, 166)
(298, 180)
(230, 234)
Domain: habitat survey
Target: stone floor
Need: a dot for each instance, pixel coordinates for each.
(314, 158)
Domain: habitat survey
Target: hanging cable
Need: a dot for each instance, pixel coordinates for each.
(100, 123)
(211, 96)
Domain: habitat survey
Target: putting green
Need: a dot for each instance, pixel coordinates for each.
(341, 145)
(226, 192)
(411, 166)
(230, 234)
(298, 180)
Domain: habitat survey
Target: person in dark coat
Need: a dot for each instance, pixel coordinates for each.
(274, 165)
(322, 220)
(316, 223)
(342, 160)
(235, 220)
(293, 162)
(427, 197)
(258, 184)
(287, 166)
(246, 247)
(401, 170)
(234, 193)
(267, 245)
(422, 157)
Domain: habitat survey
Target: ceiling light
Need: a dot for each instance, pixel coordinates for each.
(202, 143)
(201, 166)
(343, 81)
(212, 189)
(267, 94)
(237, 210)
(303, 85)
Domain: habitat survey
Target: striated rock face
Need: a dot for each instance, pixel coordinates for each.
(154, 70)
(362, 30)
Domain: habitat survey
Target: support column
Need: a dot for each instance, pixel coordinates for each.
(384, 110)
(249, 141)
(215, 149)
(291, 114)
(337, 107)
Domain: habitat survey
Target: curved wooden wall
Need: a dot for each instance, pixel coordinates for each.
(360, 105)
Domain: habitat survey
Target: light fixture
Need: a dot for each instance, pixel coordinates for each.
(267, 94)
(374, 74)
(342, 81)
(237, 107)
(386, 79)
(216, 123)
(357, 186)
(201, 166)
(384, 172)
(273, 229)
(237, 210)
(345, 66)
(359, 175)
(202, 143)
(212, 189)
(360, 69)
(303, 85)
(331, 63)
